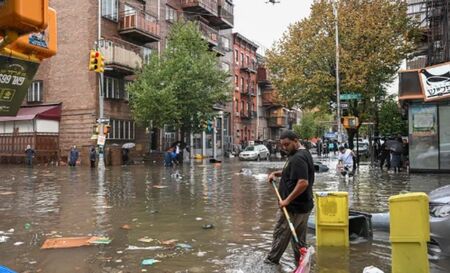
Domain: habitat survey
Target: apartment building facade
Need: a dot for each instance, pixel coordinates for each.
(244, 117)
(129, 31)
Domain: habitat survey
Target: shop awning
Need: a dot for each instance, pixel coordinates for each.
(49, 112)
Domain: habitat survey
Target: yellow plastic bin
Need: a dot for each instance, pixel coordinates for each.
(409, 232)
(409, 217)
(332, 218)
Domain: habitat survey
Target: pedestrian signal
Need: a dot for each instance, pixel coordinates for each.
(350, 122)
(95, 129)
(106, 129)
(23, 16)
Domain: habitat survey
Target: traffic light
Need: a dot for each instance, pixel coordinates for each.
(93, 61)
(100, 63)
(96, 61)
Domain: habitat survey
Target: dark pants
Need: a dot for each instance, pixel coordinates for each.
(92, 163)
(282, 235)
(385, 156)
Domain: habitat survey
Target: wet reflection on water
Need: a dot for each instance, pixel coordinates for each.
(234, 197)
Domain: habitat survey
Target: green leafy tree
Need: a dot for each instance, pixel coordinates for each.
(374, 37)
(307, 127)
(180, 87)
(391, 121)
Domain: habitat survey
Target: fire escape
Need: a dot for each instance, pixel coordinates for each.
(438, 37)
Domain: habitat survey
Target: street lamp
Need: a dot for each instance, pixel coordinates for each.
(338, 95)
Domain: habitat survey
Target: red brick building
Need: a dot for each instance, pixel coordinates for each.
(130, 32)
(245, 93)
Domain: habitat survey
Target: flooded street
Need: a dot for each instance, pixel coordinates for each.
(47, 202)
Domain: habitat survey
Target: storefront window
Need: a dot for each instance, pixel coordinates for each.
(444, 137)
(423, 148)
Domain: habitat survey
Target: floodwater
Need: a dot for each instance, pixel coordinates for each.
(48, 202)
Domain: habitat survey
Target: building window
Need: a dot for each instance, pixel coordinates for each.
(225, 43)
(110, 9)
(242, 58)
(114, 88)
(122, 129)
(247, 59)
(237, 105)
(236, 80)
(236, 56)
(146, 54)
(35, 91)
(242, 84)
(171, 14)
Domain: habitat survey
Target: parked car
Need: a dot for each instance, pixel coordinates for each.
(439, 209)
(363, 148)
(256, 152)
(440, 218)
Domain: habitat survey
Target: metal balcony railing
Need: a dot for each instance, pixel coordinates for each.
(139, 25)
(276, 122)
(208, 7)
(121, 54)
(209, 33)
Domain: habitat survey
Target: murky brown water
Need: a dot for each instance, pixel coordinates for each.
(62, 201)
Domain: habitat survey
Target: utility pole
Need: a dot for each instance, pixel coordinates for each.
(101, 160)
(338, 95)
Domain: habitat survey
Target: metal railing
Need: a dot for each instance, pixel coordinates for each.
(121, 53)
(209, 5)
(210, 34)
(140, 20)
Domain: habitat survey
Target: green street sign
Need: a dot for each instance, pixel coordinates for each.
(16, 76)
(350, 96)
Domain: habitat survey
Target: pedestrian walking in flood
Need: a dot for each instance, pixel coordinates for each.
(29, 154)
(297, 179)
(396, 154)
(170, 157)
(92, 156)
(73, 156)
(345, 160)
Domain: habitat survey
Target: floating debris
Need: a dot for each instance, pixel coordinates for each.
(144, 247)
(169, 242)
(159, 187)
(208, 226)
(184, 246)
(18, 243)
(149, 262)
(146, 240)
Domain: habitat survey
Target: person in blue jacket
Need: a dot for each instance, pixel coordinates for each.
(170, 157)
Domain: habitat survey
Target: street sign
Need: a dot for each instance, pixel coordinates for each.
(101, 140)
(103, 120)
(15, 77)
(344, 105)
(350, 96)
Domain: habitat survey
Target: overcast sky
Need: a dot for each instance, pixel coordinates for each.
(265, 23)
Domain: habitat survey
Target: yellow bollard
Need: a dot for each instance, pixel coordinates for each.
(332, 219)
(409, 232)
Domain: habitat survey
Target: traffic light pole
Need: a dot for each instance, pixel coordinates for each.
(101, 159)
(338, 93)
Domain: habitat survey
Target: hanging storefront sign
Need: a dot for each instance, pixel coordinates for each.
(15, 78)
(435, 81)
